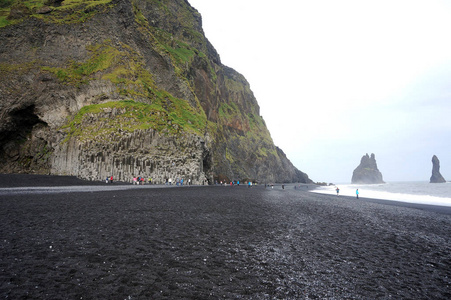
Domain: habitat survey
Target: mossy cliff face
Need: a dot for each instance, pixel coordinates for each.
(124, 88)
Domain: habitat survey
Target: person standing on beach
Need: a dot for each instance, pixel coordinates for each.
(338, 190)
(357, 193)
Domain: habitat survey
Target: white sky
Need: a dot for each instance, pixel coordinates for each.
(338, 79)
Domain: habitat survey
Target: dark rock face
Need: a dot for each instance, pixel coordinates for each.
(126, 87)
(367, 172)
(436, 176)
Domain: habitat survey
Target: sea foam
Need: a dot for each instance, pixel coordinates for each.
(412, 192)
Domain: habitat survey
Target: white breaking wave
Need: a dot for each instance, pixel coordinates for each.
(411, 192)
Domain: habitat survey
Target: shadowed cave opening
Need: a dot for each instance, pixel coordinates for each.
(22, 122)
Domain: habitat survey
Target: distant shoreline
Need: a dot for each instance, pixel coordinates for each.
(38, 183)
(427, 207)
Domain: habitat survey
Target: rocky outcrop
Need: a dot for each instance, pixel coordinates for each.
(123, 88)
(367, 172)
(436, 176)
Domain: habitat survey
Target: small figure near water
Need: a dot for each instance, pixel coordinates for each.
(357, 193)
(338, 190)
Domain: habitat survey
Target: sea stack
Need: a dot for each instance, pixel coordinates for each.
(367, 172)
(436, 176)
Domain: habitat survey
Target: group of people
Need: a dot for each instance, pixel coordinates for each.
(178, 181)
(141, 180)
(356, 192)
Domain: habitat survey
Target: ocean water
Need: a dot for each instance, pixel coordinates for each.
(412, 192)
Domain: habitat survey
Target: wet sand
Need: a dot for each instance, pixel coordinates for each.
(219, 242)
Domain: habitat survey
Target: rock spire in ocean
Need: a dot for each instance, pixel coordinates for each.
(436, 176)
(367, 172)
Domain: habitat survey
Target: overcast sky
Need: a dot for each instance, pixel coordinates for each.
(338, 79)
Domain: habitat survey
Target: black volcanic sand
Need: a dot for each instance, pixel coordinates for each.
(220, 242)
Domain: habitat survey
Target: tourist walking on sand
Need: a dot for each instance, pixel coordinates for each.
(338, 190)
(357, 193)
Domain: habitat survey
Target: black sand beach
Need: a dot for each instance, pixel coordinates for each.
(218, 242)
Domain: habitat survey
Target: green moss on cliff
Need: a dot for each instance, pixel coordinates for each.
(121, 65)
(100, 121)
(125, 68)
(228, 111)
(69, 12)
(181, 53)
(10, 69)
(16, 71)
(181, 45)
(115, 62)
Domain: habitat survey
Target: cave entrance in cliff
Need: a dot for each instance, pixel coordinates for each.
(207, 164)
(24, 120)
(22, 123)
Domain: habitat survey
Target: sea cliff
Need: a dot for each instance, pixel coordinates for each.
(124, 88)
